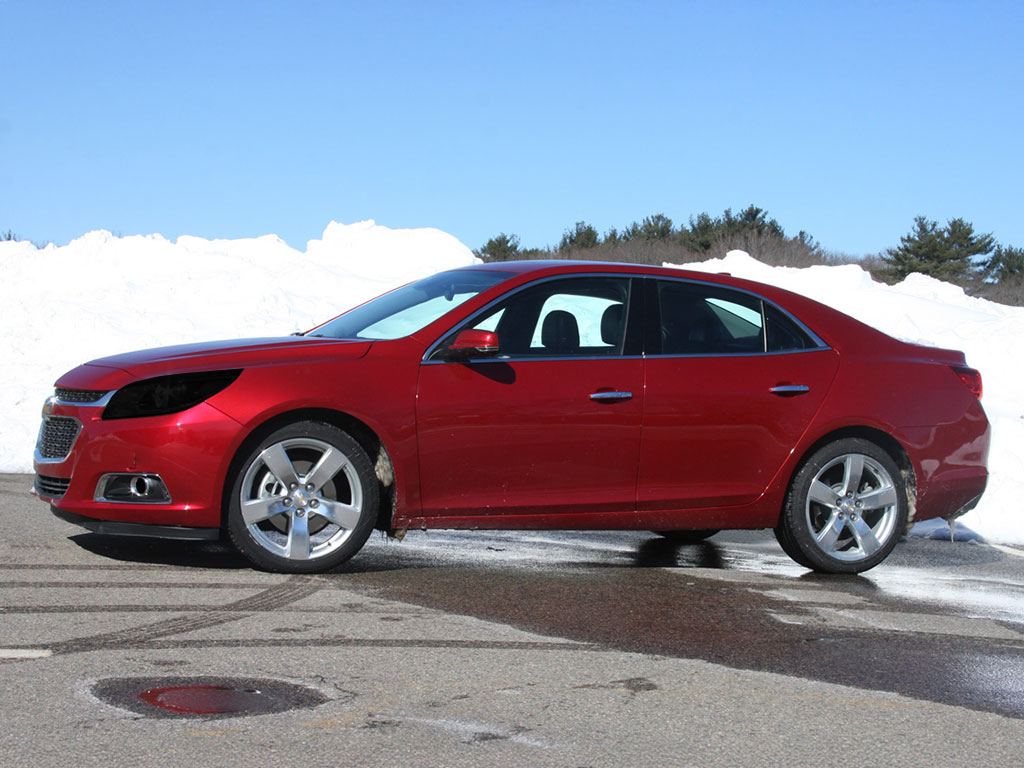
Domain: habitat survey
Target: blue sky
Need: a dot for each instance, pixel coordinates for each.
(237, 119)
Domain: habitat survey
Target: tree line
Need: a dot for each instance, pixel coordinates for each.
(954, 252)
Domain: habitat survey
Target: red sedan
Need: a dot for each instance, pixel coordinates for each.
(542, 395)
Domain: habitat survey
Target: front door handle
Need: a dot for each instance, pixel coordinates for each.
(788, 390)
(608, 396)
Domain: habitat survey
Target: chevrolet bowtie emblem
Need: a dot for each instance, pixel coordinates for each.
(48, 406)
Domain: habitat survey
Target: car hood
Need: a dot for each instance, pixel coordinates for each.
(115, 371)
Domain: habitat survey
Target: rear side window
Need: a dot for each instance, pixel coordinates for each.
(698, 319)
(702, 319)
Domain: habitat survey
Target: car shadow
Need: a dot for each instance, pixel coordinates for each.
(662, 553)
(189, 554)
(505, 550)
(383, 555)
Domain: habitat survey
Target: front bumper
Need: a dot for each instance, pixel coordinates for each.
(189, 451)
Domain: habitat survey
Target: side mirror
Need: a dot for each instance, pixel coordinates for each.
(471, 343)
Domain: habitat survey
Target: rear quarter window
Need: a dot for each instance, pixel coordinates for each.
(783, 334)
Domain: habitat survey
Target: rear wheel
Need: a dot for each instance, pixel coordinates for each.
(304, 500)
(845, 509)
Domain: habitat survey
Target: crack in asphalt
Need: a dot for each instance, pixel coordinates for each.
(357, 642)
(293, 589)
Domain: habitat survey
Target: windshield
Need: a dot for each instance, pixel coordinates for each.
(411, 307)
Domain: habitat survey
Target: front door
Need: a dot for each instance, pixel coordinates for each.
(550, 425)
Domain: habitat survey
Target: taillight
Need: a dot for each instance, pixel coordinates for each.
(970, 377)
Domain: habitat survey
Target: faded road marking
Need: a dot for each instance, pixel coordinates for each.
(25, 653)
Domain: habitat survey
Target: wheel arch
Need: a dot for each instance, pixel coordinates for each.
(878, 437)
(361, 432)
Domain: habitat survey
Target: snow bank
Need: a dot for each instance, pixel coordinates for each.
(100, 295)
(927, 311)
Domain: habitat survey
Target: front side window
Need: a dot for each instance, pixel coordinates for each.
(571, 317)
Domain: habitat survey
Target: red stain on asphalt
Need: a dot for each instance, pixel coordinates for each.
(204, 699)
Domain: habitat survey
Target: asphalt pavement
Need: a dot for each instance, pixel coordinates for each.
(496, 648)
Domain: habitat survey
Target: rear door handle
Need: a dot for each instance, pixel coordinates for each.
(788, 390)
(612, 396)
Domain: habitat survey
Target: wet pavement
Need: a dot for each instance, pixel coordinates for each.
(845, 631)
(563, 648)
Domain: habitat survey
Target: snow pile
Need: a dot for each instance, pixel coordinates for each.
(927, 311)
(101, 295)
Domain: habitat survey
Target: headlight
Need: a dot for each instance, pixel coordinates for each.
(167, 394)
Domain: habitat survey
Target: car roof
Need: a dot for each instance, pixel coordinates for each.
(834, 327)
(534, 268)
(571, 266)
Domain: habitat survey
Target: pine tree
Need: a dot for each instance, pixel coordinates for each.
(750, 219)
(918, 250)
(947, 253)
(501, 248)
(656, 227)
(581, 236)
(1006, 265)
(965, 247)
(702, 233)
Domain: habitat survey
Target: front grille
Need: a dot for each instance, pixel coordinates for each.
(79, 395)
(57, 437)
(52, 487)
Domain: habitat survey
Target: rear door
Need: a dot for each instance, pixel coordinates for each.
(732, 384)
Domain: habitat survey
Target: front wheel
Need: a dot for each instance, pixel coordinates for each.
(845, 509)
(304, 500)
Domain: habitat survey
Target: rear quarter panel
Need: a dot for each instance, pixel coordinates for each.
(907, 391)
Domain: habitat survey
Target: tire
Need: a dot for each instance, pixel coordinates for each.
(687, 537)
(845, 509)
(304, 500)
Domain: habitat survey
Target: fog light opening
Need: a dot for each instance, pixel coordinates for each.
(132, 488)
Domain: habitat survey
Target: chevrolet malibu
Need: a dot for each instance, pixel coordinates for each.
(527, 395)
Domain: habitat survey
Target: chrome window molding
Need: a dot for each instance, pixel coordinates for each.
(660, 355)
(531, 359)
(646, 356)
